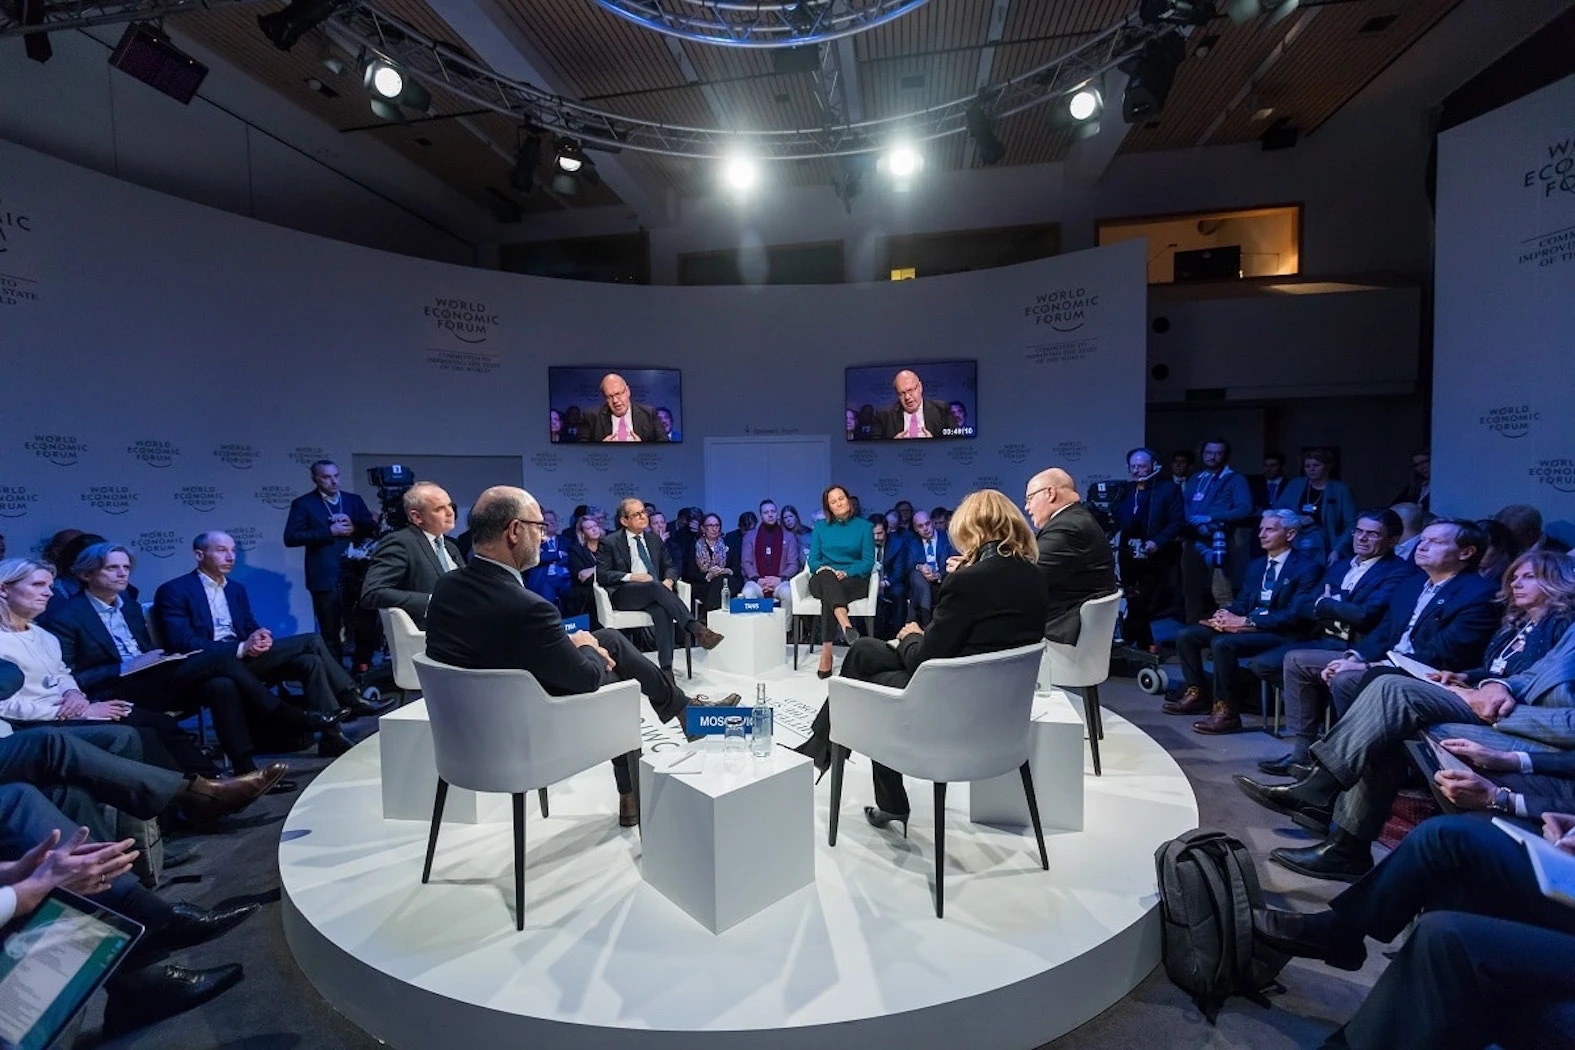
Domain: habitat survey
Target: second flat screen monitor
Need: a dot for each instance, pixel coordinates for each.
(578, 409)
(934, 399)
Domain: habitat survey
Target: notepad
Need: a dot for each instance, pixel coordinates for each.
(165, 659)
(1414, 668)
(1554, 868)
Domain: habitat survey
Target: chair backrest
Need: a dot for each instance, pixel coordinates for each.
(156, 635)
(404, 642)
(964, 718)
(1088, 662)
(803, 601)
(603, 600)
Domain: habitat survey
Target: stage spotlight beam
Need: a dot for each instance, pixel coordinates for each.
(740, 174)
(903, 161)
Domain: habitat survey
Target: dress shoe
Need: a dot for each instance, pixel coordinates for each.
(1308, 802)
(364, 704)
(1221, 720)
(283, 787)
(191, 925)
(702, 700)
(850, 634)
(1340, 858)
(1278, 767)
(332, 745)
(1319, 936)
(322, 721)
(205, 799)
(144, 996)
(628, 811)
(1190, 702)
(707, 638)
(881, 819)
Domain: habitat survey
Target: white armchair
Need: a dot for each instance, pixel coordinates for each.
(621, 620)
(1083, 667)
(405, 641)
(960, 719)
(804, 604)
(499, 731)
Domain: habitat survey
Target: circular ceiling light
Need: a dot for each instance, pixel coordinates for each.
(1084, 104)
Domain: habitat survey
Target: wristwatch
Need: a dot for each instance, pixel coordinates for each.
(1503, 801)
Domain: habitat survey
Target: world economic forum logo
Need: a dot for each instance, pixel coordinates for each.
(153, 452)
(238, 455)
(468, 320)
(1510, 421)
(1063, 309)
(16, 500)
(888, 486)
(246, 537)
(279, 497)
(199, 497)
(962, 455)
(1558, 472)
(673, 489)
(157, 543)
(547, 462)
(1071, 451)
(306, 455)
(573, 491)
(862, 457)
(1555, 169)
(648, 460)
(1014, 452)
(912, 457)
(937, 485)
(111, 499)
(63, 450)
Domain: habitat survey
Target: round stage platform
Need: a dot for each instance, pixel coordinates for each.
(606, 962)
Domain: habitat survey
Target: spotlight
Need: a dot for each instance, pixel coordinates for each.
(740, 173)
(385, 80)
(1084, 104)
(1177, 12)
(526, 158)
(1242, 11)
(1150, 73)
(903, 162)
(288, 24)
(570, 157)
(393, 91)
(982, 130)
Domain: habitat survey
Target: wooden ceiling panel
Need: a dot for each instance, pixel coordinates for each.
(596, 53)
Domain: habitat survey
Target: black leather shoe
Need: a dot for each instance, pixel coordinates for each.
(332, 745)
(322, 721)
(364, 704)
(191, 925)
(1340, 858)
(1309, 937)
(880, 818)
(850, 634)
(1277, 767)
(1293, 800)
(144, 996)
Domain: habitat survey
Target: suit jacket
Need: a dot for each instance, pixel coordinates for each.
(1550, 787)
(937, 417)
(994, 604)
(1163, 520)
(642, 418)
(185, 623)
(86, 645)
(1299, 578)
(308, 526)
(1339, 510)
(1540, 641)
(1075, 564)
(1207, 498)
(1365, 606)
(556, 554)
(613, 561)
(792, 555)
(403, 570)
(943, 550)
(1258, 485)
(897, 560)
(1546, 695)
(1453, 631)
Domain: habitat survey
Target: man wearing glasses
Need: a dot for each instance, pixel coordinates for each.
(408, 562)
(635, 571)
(1074, 555)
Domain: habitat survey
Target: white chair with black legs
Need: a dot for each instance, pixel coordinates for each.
(499, 731)
(805, 604)
(405, 641)
(1083, 667)
(960, 719)
(623, 620)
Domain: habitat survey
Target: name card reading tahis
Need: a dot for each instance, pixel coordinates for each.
(712, 721)
(751, 605)
(575, 624)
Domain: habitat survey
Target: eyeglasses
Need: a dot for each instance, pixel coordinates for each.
(1029, 498)
(528, 521)
(637, 514)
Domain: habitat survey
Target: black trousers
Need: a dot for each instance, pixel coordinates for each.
(162, 741)
(1228, 650)
(328, 608)
(868, 660)
(666, 610)
(1144, 582)
(49, 758)
(629, 664)
(921, 597)
(835, 594)
(305, 659)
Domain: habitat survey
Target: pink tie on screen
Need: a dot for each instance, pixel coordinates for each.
(623, 428)
(913, 426)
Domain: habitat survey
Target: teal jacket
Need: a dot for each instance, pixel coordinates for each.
(846, 545)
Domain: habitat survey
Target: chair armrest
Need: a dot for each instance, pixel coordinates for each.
(862, 713)
(582, 730)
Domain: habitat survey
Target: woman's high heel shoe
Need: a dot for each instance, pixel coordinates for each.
(881, 819)
(823, 674)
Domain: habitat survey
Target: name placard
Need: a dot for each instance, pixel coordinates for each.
(751, 605)
(712, 721)
(575, 624)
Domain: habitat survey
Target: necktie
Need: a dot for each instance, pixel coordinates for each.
(1269, 575)
(442, 554)
(623, 428)
(929, 551)
(913, 426)
(645, 554)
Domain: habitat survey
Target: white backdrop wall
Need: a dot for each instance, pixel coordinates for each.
(1503, 431)
(174, 368)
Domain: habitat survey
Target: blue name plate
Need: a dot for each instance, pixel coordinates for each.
(751, 605)
(712, 721)
(575, 624)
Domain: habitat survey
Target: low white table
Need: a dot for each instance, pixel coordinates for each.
(409, 774)
(723, 841)
(752, 643)
(1055, 758)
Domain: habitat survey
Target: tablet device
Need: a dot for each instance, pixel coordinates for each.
(1555, 869)
(53, 962)
(1426, 759)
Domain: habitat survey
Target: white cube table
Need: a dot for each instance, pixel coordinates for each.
(752, 643)
(1055, 757)
(723, 843)
(409, 774)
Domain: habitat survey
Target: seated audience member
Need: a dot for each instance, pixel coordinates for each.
(1413, 519)
(992, 601)
(1420, 489)
(735, 548)
(794, 524)
(1539, 603)
(574, 428)
(1524, 524)
(1354, 599)
(1075, 563)
(712, 573)
(550, 577)
(1326, 502)
(1501, 549)
(769, 558)
(913, 415)
(205, 610)
(1148, 527)
(1488, 961)
(579, 600)
(1359, 767)
(60, 552)
(894, 557)
(939, 516)
(1214, 500)
(931, 549)
(483, 616)
(104, 639)
(619, 418)
(841, 558)
(1182, 465)
(407, 562)
(638, 578)
(658, 523)
(1266, 487)
(1266, 615)
(680, 542)
(1513, 782)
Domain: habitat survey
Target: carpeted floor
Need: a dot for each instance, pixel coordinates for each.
(275, 1008)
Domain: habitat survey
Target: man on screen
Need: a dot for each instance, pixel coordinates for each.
(913, 416)
(619, 418)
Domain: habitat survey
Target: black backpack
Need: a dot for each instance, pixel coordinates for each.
(1208, 889)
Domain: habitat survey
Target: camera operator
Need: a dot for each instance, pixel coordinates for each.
(1148, 526)
(326, 522)
(409, 561)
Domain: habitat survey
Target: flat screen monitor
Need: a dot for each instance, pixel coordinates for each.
(578, 410)
(931, 399)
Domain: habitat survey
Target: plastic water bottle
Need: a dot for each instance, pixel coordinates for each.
(763, 718)
(727, 595)
(733, 745)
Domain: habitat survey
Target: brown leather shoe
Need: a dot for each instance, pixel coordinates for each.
(701, 700)
(707, 638)
(628, 811)
(1190, 703)
(206, 799)
(1221, 720)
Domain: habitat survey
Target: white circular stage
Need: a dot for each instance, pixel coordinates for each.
(607, 962)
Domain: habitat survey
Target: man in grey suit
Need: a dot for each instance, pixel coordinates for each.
(1361, 765)
(409, 561)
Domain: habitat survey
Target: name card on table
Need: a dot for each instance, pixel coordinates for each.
(575, 624)
(751, 605)
(712, 721)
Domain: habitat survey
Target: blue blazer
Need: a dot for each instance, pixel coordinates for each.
(180, 609)
(896, 562)
(1453, 631)
(1299, 577)
(1363, 608)
(308, 526)
(943, 550)
(85, 643)
(1226, 499)
(1164, 518)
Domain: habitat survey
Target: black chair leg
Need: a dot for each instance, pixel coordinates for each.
(836, 792)
(541, 797)
(940, 850)
(1091, 716)
(793, 632)
(689, 657)
(1099, 715)
(633, 760)
(1033, 815)
(437, 822)
(519, 860)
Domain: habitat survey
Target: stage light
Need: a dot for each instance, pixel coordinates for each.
(385, 80)
(526, 158)
(982, 130)
(1150, 74)
(570, 157)
(903, 162)
(393, 91)
(740, 173)
(288, 24)
(1242, 11)
(1084, 104)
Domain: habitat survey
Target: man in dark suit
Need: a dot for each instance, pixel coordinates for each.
(634, 570)
(894, 555)
(619, 418)
(326, 521)
(1148, 529)
(1267, 487)
(913, 416)
(930, 549)
(408, 562)
(1267, 614)
(1074, 556)
(206, 611)
(483, 616)
(550, 578)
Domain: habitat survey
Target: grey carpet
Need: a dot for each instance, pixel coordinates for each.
(275, 1008)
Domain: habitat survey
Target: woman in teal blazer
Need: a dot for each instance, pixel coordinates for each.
(841, 558)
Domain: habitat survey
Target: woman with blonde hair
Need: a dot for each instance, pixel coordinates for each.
(993, 599)
(1539, 606)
